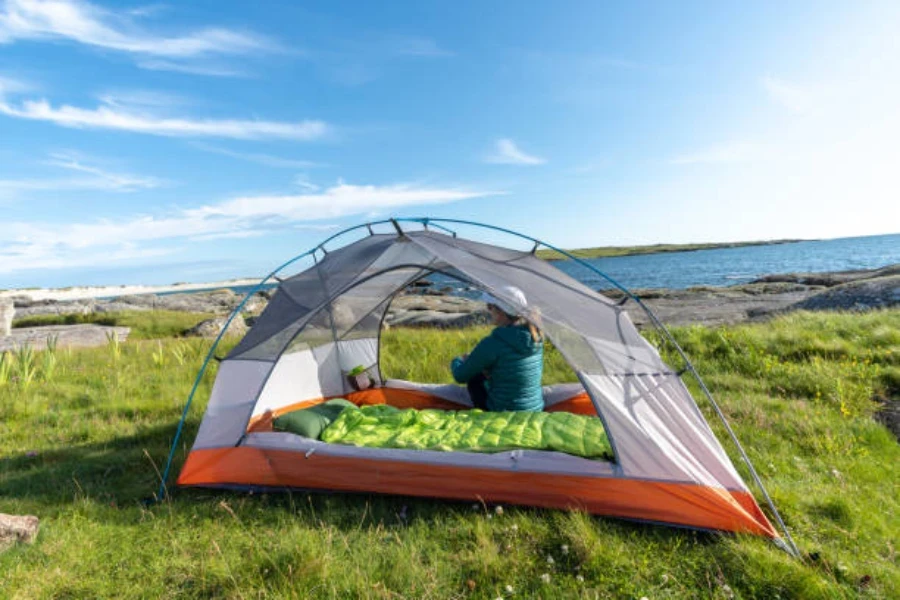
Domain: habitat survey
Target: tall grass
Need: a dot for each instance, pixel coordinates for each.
(82, 448)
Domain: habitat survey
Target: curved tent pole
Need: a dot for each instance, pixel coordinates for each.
(211, 354)
(436, 222)
(790, 547)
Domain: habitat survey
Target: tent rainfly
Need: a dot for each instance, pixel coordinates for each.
(668, 466)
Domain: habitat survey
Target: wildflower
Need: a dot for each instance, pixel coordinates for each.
(727, 591)
(579, 578)
(490, 516)
(509, 589)
(498, 510)
(565, 548)
(550, 560)
(514, 528)
(545, 577)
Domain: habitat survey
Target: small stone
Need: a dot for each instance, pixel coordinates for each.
(15, 528)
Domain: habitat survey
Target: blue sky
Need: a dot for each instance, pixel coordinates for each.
(153, 143)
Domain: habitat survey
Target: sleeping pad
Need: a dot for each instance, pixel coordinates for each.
(383, 426)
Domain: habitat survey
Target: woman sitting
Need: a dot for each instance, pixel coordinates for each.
(503, 372)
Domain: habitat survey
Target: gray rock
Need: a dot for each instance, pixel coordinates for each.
(830, 279)
(211, 328)
(7, 310)
(65, 336)
(216, 302)
(53, 307)
(17, 529)
(881, 292)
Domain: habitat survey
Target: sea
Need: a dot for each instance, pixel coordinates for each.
(722, 266)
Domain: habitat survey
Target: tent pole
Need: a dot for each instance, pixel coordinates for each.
(211, 354)
(790, 546)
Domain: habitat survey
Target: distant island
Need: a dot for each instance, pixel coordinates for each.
(610, 251)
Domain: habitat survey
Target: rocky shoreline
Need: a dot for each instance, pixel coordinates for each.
(424, 305)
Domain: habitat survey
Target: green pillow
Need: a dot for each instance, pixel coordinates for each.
(310, 422)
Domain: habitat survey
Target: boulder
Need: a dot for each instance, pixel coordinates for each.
(211, 328)
(867, 294)
(7, 310)
(15, 529)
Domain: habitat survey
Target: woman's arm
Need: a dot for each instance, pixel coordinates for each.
(481, 359)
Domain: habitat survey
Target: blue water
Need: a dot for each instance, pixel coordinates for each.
(730, 266)
(727, 266)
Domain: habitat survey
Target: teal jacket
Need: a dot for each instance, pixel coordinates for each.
(514, 363)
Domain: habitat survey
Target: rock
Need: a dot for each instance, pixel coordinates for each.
(212, 327)
(216, 301)
(830, 279)
(65, 336)
(54, 307)
(881, 292)
(15, 529)
(7, 310)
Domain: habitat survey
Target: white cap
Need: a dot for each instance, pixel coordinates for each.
(514, 302)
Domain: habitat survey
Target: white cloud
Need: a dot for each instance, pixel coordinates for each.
(140, 119)
(94, 178)
(31, 245)
(507, 153)
(786, 94)
(267, 160)
(92, 25)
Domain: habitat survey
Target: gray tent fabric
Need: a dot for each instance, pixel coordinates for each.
(326, 320)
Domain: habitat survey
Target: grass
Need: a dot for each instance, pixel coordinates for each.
(82, 443)
(610, 251)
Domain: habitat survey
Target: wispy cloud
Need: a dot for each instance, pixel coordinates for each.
(733, 152)
(402, 45)
(267, 160)
(142, 119)
(363, 60)
(91, 177)
(507, 153)
(30, 245)
(196, 52)
(788, 95)
(192, 68)
(92, 25)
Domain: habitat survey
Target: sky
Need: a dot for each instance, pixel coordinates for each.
(196, 141)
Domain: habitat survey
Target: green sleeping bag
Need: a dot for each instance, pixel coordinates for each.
(383, 426)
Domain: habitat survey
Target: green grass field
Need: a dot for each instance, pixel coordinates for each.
(85, 433)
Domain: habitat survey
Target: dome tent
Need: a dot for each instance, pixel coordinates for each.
(322, 322)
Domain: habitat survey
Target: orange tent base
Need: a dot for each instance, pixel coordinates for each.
(678, 504)
(683, 504)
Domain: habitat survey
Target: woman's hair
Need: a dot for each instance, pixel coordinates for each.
(536, 334)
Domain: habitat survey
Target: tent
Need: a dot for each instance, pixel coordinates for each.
(668, 467)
